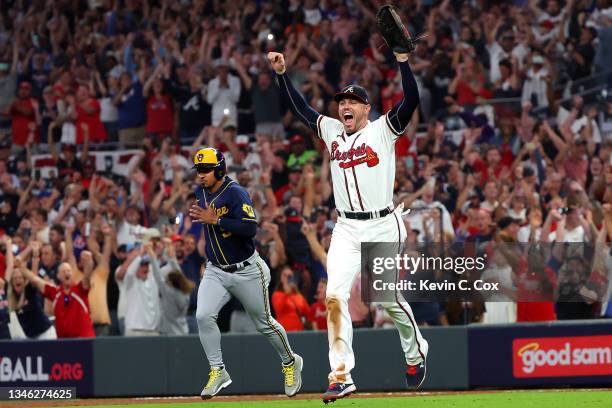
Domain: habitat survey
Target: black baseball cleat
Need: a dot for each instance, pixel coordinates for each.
(338, 391)
(415, 375)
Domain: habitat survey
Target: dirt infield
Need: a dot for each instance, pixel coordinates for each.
(242, 398)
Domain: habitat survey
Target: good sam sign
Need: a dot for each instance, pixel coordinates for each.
(562, 356)
(48, 363)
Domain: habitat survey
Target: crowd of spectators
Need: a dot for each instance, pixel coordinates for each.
(497, 151)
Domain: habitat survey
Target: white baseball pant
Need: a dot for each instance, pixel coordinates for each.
(343, 265)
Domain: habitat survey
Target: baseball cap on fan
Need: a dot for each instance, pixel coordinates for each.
(242, 140)
(353, 92)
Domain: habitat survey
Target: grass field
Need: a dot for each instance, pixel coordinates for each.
(497, 399)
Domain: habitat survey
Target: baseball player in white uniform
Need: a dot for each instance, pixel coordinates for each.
(363, 173)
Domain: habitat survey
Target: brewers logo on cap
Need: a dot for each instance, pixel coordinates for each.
(206, 157)
(209, 158)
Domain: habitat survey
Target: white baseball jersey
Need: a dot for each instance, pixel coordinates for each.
(362, 164)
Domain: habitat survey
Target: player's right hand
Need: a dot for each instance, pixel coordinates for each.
(277, 60)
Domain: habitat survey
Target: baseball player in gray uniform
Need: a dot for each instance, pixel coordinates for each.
(234, 267)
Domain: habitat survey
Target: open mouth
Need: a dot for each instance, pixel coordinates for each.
(348, 118)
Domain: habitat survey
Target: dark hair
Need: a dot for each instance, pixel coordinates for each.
(280, 269)
(41, 211)
(506, 63)
(58, 228)
(177, 280)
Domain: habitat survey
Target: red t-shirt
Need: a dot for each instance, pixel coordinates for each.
(534, 304)
(290, 309)
(488, 172)
(160, 118)
(71, 311)
(389, 101)
(402, 147)
(467, 96)
(318, 315)
(21, 122)
(97, 132)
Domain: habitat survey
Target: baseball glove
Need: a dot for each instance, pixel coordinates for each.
(394, 32)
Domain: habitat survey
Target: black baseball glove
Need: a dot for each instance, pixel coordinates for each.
(394, 32)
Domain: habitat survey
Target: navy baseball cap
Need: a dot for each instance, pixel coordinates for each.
(353, 92)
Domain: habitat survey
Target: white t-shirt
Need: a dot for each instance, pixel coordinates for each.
(525, 231)
(141, 299)
(497, 53)
(108, 111)
(575, 235)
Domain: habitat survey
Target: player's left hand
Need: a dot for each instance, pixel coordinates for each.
(203, 215)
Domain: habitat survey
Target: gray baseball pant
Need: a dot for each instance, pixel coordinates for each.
(250, 287)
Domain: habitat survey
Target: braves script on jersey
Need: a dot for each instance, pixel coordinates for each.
(362, 164)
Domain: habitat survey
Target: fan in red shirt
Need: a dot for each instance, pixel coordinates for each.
(392, 93)
(289, 304)
(87, 110)
(318, 310)
(469, 81)
(24, 112)
(160, 112)
(493, 168)
(535, 285)
(70, 301)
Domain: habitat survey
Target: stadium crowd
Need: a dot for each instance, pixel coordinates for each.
(504, 148)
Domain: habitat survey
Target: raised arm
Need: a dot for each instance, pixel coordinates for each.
(128, 266)
(246, 78)
(309, 195)
(51, 142)
(559, 143)
(85, 155)
(94, 203)
(326, 187)
(198, 142)
(268, 192)
(400, 114)
(315, 246)
(155, 268)
(278, 256)
(88, 267)
(15, 61)
(100, 83)
(292, 96)
(149, 82)
(23, 198)
(10, 258)
(70, 258)
(38, 282)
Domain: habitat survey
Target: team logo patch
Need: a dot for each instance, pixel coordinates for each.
(248, 210)
(354, 156)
